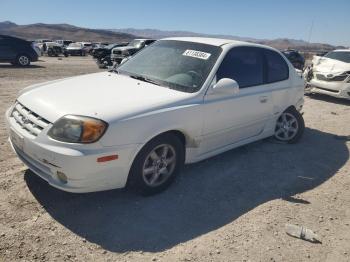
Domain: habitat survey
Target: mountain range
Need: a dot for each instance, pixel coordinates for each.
(62, 31)
(71, 32)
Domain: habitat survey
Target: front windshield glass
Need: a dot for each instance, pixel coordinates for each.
(342, 56)
(175, 64)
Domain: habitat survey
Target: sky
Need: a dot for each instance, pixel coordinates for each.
(263, 19)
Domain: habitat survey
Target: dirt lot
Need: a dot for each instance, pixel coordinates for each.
(232, 207)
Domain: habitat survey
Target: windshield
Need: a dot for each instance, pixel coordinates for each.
(136, 43)
(175, 64)
(342, 56)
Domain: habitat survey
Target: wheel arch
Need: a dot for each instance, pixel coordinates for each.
(292, 107)
(180, 134)
(24, 53)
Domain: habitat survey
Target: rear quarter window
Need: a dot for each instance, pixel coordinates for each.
(276, 67)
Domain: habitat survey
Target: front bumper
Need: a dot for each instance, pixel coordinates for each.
(335, 89)
(118, 58)
(80, 166)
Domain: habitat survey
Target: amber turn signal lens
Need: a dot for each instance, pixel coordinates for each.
(93, 129)
(107, 158)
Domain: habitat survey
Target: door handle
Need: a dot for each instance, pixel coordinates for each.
(263, 99)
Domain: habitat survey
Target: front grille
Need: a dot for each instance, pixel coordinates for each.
(28, 120)
(338, 78)
(117, 52)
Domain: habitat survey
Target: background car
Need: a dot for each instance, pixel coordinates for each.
(295, 58)
(55, 49)
(76, 49)
(180, 100)
(330, 74)
(17, 51)
(87, 46)
(120, 53)
(102, 54)
(64, 43)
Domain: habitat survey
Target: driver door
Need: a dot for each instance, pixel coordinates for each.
(231, 118)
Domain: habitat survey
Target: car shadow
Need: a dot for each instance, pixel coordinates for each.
(329, 99)
(207, 196)
(20, 67)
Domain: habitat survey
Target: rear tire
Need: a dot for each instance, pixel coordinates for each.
(23, 60)
(290, 126)
(157, 165)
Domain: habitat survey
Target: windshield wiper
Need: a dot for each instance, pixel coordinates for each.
(145, 79)
(114, 69)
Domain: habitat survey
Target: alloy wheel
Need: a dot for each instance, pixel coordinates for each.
(23, 60)
(159, 165)
(286, 127)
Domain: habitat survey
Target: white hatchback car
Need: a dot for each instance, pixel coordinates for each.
(178, 101)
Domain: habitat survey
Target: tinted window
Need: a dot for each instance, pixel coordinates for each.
(277, 68)
(243, 64)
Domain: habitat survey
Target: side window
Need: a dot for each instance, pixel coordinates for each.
(243, 64)
(277, 68)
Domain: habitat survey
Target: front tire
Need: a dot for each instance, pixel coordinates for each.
(157, 165)
(290, 126)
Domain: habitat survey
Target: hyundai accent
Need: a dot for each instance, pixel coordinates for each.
(180, 100)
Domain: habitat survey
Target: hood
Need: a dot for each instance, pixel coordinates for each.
(122, 48)
(329, 66)
(105, 95)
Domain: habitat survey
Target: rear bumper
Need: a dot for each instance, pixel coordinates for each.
(34, 58)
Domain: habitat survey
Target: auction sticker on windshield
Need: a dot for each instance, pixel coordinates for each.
(197, 54)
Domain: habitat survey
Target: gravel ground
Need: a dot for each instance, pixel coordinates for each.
(232, 207)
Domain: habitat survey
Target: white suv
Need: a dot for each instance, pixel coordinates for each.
(180, 100)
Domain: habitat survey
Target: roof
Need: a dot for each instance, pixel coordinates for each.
(13, 37)
(207, 40)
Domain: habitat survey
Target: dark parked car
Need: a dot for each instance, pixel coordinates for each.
(102, 54)
(119, 53)
(17, 51)
(295, 58)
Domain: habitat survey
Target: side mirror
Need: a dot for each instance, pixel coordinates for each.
(226, 86)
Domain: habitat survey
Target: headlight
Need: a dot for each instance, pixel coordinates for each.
(77, 129)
